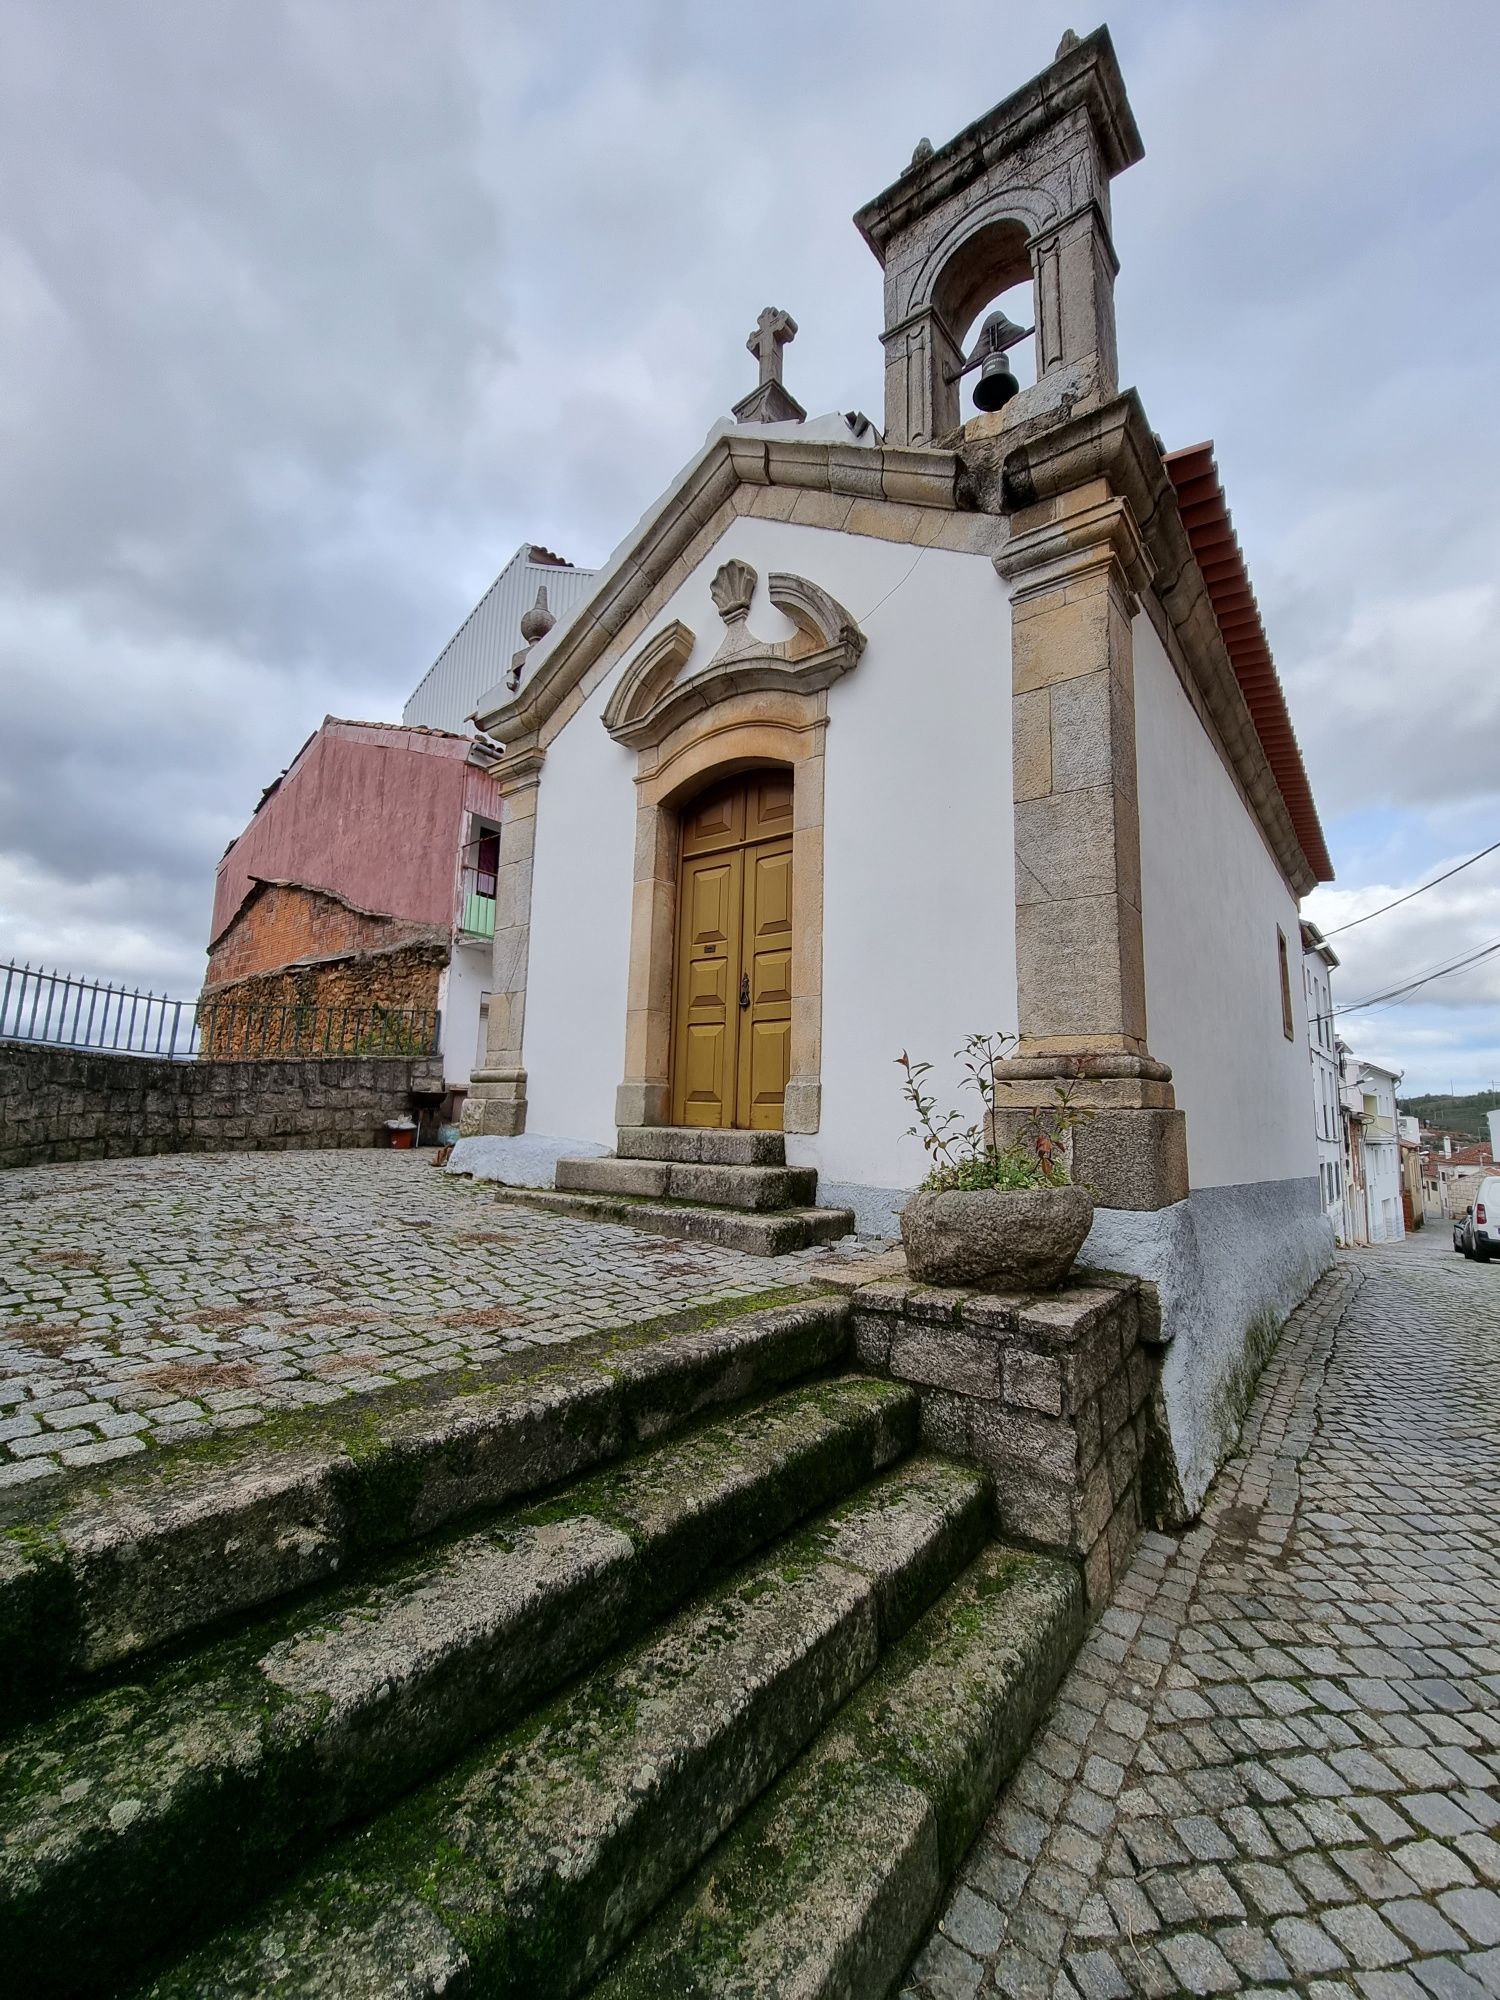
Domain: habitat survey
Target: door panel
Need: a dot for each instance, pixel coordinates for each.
(765, 1042)
(731, 1042)
(715, 819)
(768, 805)
(707, 989)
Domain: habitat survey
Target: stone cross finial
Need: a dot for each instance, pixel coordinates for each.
(773, 329)
(768, 402)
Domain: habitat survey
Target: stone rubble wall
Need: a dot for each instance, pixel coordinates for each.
(1051, 1395)
(76, 1104)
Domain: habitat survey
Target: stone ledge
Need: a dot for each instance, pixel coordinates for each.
(64, 1104)
(1050, 1394)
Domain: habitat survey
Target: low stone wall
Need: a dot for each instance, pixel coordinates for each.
(1052, 1396)
(72, 1104)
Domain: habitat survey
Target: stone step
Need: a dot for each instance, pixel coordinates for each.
(828, 1888)
(701, 1145)
(524, 1869)
(773, 1235)
(756, 1189)
(94, 1577)
(145, 1809)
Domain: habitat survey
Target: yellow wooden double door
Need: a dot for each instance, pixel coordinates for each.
(732, 1026)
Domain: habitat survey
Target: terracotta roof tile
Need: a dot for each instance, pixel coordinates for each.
(1205, 515)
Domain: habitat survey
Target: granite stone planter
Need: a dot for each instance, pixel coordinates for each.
(1026, 1238)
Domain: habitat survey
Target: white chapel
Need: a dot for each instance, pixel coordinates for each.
(867, 739)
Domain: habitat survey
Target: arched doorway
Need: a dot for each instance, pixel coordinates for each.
(732, 976)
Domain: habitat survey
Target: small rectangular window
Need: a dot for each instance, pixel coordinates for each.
(1288, 1025)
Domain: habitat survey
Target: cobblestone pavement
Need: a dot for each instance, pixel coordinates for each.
(146, 1302)
(1276, 1764)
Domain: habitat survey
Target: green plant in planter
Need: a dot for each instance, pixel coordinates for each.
(964, 1160)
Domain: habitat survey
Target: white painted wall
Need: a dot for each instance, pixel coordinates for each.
(1324, 1079)
(1365, 1083)
(1213, 900)
(919, 929)
(465, 979)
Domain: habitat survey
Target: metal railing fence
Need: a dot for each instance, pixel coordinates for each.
(62, 1012)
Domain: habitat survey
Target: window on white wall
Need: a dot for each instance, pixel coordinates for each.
(1288, 1025)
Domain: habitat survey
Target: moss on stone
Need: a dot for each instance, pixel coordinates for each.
(1231, 1399)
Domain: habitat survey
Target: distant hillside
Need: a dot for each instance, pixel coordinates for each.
(1454, 1114)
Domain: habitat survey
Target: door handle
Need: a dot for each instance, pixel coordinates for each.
(744, 989)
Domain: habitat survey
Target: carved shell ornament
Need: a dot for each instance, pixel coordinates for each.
(650, 700)
(731, 589)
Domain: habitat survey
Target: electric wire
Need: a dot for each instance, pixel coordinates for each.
(1396, 993)
(1392, 995)
(1422, 891)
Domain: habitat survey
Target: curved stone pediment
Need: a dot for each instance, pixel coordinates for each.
(650, 701)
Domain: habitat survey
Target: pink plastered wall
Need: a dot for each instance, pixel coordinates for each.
(377, 814)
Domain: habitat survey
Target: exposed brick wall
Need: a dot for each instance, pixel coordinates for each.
(68, 1104)
(281, 923)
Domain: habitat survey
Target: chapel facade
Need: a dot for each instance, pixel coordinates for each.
(867, 739)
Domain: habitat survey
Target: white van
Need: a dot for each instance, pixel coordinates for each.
(1482, 1236)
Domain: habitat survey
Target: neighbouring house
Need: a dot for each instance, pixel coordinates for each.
(867, 739)
(366, 879)
(1452, 1166)
(1409, 1134)
(1318, 963)
(534, 588)
(364, 886)
(1372, 1168)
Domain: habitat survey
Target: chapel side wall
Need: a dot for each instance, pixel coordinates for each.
(918, 860)
(1232, 1260)
(1212, 901)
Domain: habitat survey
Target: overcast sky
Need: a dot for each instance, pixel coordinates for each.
(309, 313)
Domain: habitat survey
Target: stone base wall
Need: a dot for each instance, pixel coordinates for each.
(1052, 1396)
(71, 1104)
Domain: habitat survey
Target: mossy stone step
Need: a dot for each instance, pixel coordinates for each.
(775, 1234)
(108, 1571)
(524, 1869)
(828, 1887)
(180, 1796)
(759, 1190)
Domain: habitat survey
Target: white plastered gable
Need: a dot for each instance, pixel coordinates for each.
(654, 696)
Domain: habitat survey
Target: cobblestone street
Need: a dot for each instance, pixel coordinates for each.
(1276, 1763)
(147, 1302)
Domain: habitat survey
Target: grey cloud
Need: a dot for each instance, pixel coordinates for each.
(308, 315)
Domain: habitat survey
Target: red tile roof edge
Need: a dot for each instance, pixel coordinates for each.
(1210, 530)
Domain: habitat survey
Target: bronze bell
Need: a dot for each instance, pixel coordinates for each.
(996, 384)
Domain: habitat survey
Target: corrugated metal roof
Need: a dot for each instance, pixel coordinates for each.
(480, 651)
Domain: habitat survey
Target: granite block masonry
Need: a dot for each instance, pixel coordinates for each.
(1051, 1395)
(80, 1104)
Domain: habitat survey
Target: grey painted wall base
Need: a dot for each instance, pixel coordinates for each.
(877, 1210)
(1229, 1264)
(528, 1160)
